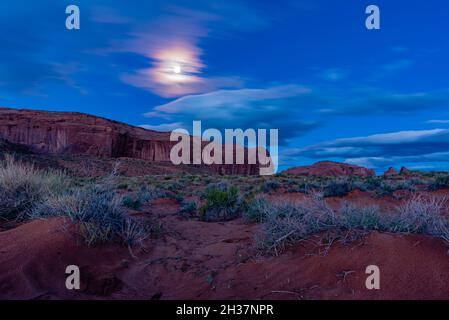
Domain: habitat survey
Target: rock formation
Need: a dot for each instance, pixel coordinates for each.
(330, 168)
(405, 171)
(77, 133)
(390, 172)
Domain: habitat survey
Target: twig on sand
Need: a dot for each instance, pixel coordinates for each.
(344, 274)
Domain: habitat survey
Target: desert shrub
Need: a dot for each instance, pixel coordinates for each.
(257, 210)
(220, 185)
(146, 193)
(286, 223)
(387, 187)
(175, 186)
(360, 184)
(131, 202)
(97, 213)
(188, 208)
(308, 186)
(373, 183)
(270, 185)
(149, 192)
(122, 186)
(354, 217)
(221, 205)
(337, 189)
(440, 182)
(23, 186)
(424, 215)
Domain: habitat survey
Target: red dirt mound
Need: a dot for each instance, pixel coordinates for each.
(34, 256)
(330, 168)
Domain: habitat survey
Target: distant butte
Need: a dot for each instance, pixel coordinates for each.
(391, 172)
(330, 168)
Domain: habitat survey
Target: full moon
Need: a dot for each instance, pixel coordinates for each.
(177, 69)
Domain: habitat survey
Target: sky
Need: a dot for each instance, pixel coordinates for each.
(311, 69)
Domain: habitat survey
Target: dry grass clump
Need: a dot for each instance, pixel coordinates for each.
(22, 187)
(98, 213)
(287, 223)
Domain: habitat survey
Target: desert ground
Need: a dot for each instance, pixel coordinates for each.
(197, 235)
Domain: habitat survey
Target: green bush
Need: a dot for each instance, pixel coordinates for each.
(221, 205)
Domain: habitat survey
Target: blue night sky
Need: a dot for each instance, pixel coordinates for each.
(335, 90)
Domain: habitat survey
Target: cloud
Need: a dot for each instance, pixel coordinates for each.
(431, 161)
(162, 127)
(398, 65)
(276, 107)
(38, 52)
(399, 49)
(379, 102)
(402, 143)
(172, 45)
(382, 150)
(333, 74)
(106, 15)
(437, 121)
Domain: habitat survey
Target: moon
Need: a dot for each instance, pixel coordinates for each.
(177, 69)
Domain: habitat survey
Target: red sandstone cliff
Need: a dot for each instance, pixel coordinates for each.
(77, 133)
(330, 168)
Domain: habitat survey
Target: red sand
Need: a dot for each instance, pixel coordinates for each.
(199, 260)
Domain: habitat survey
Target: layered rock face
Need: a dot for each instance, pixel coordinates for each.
(332, 169)
(77, 133)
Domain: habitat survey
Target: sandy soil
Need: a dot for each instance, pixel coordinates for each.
(208, 260)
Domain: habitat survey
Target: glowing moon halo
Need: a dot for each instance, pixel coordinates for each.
(177, 69)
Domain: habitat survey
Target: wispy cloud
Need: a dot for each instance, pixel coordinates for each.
(333, 74)
(398, 65)
(172, 45)
(437, 121)
(381, 150)
(243, 108)
(399, 49)
(385, 144)
(374, 101)
(106, 15)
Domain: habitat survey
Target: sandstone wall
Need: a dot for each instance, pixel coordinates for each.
(76, 133)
